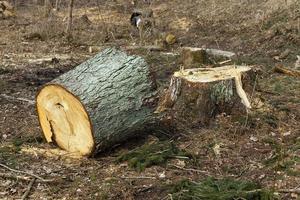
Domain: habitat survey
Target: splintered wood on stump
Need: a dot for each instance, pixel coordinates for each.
(195, 96)
(101, 102)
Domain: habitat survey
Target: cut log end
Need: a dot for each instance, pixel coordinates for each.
(64, 120)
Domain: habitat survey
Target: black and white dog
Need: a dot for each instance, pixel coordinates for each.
(136, 19)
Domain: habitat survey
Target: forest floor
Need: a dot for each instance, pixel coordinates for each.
(262, 147)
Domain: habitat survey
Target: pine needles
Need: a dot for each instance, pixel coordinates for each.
(152, 154)
(223, 189)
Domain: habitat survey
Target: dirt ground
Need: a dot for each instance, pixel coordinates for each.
(263, 146)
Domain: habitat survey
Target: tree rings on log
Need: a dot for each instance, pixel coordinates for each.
(197, 95)
(101, 102)
(64, 120)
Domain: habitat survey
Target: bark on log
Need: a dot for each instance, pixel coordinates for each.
(105, 100)
(195, 96)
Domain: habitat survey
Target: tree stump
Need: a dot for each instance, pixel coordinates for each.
(105, 100)
(197, 95)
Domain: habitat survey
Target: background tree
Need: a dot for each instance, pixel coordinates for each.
(70, 18)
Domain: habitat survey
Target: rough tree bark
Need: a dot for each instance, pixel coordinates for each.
(113, 97)
(105, 100)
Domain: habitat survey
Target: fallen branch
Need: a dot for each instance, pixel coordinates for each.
(217, 52)
(284, 70)
(149, 48)
(24, 178)
(17, 99)
(224, 62)
(296, 191)
(25, 195)
(137, 177)
(190, 169)
(23, 172)
(15, 177)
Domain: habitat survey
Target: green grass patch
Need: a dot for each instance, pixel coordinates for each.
(219, 189)
(152, 154)
(282, 159)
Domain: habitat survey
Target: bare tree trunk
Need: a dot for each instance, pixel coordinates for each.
(47, 8)
(57, 3)
(70, 17)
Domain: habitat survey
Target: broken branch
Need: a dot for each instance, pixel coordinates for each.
(284, 70)
(25, 195)
(23, 172)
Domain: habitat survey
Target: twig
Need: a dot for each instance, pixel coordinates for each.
(15, 177)
(137, 177)
(189, 169)
(23, 178)
(180, 157)
(287, 71)
(149, 47)
(296, 191)
(18, 99)
(22, 172)
(224, 62)
(144, 189)
(268, 92)
(25, 195)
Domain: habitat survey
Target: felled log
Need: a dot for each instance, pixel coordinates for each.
(196, 96)
(113, 97)
(105, 100)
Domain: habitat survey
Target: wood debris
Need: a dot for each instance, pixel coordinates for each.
(284, 70)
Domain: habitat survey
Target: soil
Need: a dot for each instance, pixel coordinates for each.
(262, 146)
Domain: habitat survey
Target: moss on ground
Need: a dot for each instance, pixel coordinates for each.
(152, 154)
(219, 189)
